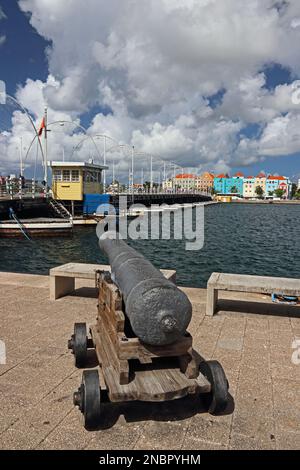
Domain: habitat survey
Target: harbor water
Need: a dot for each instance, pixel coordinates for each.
(261, 239)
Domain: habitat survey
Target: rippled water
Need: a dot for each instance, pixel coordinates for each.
(251, 239)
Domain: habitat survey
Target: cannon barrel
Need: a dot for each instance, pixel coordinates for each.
(158, 311)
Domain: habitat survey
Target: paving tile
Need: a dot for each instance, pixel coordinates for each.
(190, 443)
(210, 429)
(160, 435)
(37, 383)
(241, 442)
(287, 440)
(109, 439)
(37, 421)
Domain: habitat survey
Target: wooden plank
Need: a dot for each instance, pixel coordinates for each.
(152, 385)
(134, 349)
(107, 352)
(188, 365)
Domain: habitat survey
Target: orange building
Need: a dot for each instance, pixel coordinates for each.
(205, 182)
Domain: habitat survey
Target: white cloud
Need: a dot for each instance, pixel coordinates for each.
(2, 39)
(154, 63)
(2, 14)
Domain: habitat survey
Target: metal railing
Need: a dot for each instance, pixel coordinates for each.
(18, 188)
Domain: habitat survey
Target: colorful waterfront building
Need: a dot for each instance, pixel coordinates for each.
(220, 183)
(225, 184)
(205, 182)
(260, 180)
(234, 185)
(274, 182)
(168, 185)
(249, 187)
(185, 181)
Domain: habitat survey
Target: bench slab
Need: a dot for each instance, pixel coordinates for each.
(248, 284)
(62, 278)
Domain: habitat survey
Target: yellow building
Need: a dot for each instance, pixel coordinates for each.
(72, 180)
(260, 180)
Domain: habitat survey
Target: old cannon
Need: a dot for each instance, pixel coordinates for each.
(158, 311)
(140, 340)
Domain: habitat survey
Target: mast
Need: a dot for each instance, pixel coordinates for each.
(46, 148)
(21, 156)
(104, 163)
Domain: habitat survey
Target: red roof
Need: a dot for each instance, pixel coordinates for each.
(261, 175)
(249, 177)
(185, 175)
(221, 176)
(239, 174)
(271, 177)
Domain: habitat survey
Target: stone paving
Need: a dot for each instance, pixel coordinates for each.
(38, 380)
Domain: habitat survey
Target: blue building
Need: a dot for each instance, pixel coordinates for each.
(220, 183)
(224, 184)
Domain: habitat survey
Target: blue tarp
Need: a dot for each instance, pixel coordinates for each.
(96, 204)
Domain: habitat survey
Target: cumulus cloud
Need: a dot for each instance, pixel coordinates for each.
(2, 14)
(153, 66)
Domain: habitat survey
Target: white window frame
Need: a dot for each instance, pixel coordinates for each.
(57, 175)
(75, 179)
(66, 176)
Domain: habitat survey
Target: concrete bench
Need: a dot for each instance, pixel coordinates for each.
(247, 283)
(62, 278)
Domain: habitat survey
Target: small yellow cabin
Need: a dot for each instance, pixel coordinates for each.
(72, 180)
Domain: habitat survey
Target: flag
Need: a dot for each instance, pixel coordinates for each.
(42, 126)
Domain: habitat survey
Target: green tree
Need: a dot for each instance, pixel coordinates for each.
(297, 194)
(234, 190)
(279, 192)
(259, 192)
(271, 193)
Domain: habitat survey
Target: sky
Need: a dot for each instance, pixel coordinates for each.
(206, 84)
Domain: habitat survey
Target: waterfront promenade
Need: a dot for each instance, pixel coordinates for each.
(37, 383)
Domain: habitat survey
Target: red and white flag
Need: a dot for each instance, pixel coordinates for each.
(42, 126)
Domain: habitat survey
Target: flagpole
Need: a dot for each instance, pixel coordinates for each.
(46, 149)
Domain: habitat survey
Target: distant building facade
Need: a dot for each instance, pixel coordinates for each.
(220, 183)
(277, 182)
(205, 182)
(185, 181)
(260, 180)
(246, 186)
(225, 184)
(168, 185)
(249, 187)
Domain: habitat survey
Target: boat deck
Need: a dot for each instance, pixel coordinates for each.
(38, 380)
(36, 220)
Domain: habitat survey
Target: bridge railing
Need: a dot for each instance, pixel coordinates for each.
(19, 188)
